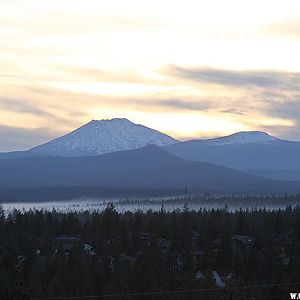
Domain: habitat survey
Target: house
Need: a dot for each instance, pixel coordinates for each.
(199, 275)
(195, 235)
(279, 252)
(110, 261)
(145, 238)
(107, 261)
(88, 249)
(286, 240)
(65, 243)
(197, 255)
(241, 241)
(164, 245)
(216, 276)
(21, 260)
(216, 245)
(286, 237)
(195, 238)
(286, 261)
(41, 262)
(176, 261)
(110, 242)
(127, 260)
(220, 283)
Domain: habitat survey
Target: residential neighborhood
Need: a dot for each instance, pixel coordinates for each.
(172, 251)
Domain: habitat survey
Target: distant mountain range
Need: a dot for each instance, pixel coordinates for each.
(118, 154)
(254, 151)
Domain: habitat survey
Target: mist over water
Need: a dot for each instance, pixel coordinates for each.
(231, 203)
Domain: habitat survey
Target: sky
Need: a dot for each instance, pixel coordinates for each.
(191, 69)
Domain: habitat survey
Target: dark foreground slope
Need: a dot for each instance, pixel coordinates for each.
(149, 168)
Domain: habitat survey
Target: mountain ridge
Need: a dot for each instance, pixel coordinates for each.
(264, 155)
(148, 168)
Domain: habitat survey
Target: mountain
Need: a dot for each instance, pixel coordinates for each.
(255, 152)
(243, 137)
(98, 137)
(105, 136)
(148, 168)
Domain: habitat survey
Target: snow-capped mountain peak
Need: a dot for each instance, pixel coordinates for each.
(244, 137)
(103, 136)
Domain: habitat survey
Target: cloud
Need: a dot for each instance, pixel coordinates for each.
(16, 138)
(248, 107)
(262, 100)
(173, 104)
(22, 106)
(292, 134)
(234, 111)
(290, 108)
(290, 29)
(239, 79)
(99, 75)
(50, 19)
(200, 105)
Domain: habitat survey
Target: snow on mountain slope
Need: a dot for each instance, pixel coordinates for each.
(243, 137)
(103, 136)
